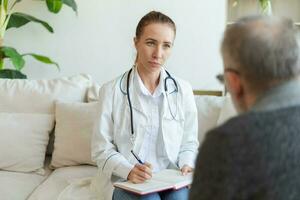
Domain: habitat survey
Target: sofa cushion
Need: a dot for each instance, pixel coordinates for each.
(228, 111)
(73, 130)
(208, 108)
(17, 186)
(60, 179)
(38, 96)
(24, 138)
(93, 92)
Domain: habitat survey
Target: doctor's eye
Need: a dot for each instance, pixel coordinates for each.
(167, 46)
(150, 43)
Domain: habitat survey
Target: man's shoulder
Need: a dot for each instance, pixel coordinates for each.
(245, 137)
(260, 121)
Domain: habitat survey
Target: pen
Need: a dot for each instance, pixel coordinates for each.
(136, 156)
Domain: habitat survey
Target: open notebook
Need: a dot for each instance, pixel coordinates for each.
(163, 180)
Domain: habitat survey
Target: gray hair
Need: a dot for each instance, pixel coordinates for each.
(265, 49)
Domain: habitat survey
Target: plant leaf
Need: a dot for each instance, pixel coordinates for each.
(14, 56)
(1, 63)
(71, 3)
(42, 59)
(12, 74)
(3, 15)
(19, 19)
(5, 3)
(54, 5)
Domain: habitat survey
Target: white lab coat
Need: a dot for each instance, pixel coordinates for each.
(112, 139)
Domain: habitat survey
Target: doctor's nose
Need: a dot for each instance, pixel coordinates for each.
(158, 52)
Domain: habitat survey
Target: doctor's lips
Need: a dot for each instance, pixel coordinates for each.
(154, 63)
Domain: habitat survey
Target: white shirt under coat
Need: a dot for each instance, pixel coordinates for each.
(152, 149)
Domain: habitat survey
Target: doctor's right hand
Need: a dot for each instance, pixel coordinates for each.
(140, 173)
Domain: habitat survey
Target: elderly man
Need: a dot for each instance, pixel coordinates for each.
(257, 154)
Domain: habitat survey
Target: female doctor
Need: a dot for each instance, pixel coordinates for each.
(147, 112)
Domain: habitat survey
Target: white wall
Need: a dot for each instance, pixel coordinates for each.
(99, 41)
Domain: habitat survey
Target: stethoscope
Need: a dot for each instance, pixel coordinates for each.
(169, 77)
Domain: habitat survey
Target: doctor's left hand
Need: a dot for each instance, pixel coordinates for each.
(186, 169)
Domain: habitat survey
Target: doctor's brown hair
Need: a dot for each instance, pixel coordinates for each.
(153, 17)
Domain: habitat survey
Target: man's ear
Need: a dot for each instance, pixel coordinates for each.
(234, 84)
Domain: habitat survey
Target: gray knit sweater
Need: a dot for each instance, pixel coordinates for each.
(255, 156)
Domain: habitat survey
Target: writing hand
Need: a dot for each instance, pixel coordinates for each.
(140, 173)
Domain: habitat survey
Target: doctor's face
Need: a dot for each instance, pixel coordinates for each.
(154, 46)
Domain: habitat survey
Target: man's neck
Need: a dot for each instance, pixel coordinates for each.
(280, 96)
(250, 100)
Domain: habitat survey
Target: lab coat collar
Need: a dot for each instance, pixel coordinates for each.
(134, 93)
(134, 96)
(171, 100)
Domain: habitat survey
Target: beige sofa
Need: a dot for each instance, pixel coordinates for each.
(29, 111)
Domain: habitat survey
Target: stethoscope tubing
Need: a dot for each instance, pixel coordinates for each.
(129, 101)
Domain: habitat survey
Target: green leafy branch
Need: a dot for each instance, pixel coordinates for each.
(10, 19)
(265, 6)
(263, 3)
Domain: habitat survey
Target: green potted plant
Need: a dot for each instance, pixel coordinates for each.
(265, 6)
(11, 19)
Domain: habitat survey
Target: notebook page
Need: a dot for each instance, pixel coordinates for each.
(174, 177)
